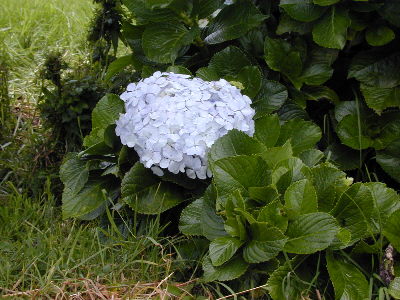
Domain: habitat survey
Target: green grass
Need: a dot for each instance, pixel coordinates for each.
(41, 254)
(30, 29)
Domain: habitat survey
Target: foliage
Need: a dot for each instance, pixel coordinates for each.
(323, 77)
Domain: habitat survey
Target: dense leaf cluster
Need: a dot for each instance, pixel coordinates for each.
(324, 82)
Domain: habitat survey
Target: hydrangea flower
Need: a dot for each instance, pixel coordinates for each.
(172, 120)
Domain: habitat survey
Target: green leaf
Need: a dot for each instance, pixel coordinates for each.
(178, 70)
(250, 77)
(235, 142)
(289, 25)
(354, 210)
(213, 224)
(239, 172)
(386, 201)
(391, 229)
(162, 42)
(88, 199)
(144, 15)
(107, 111)
(281, 56)
(348, 281)
(303, 135)
(264, 194)
(381, 98)
(379, 35)
(394, 288)
(118, 65)
(389, 160)
(300, 198)
(310, 233)
(325, 2)
(269, 242)
(233, 269)
(267, 130)
(271, 97)
(275, 155)
(343, 157)
(144, 193)
(222, 249)
(311, 157)
(204, 8)
(331, 30)
(229, 61)
(302, 10)
(232, 22)
(376, 69)
(329, 183)
(273, 213)
(190, 220)
(352, 131)
(285, 274)
(74, 173)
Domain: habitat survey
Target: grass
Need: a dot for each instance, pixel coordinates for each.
(30, 29)
(43, 255)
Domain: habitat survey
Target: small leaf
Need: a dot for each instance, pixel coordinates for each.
(233, 269)
(232, 22)
(162, 42)
(331, 30)
(190, 220)
(178, 70)
(117, 66)
(74, 173)
(250, 77)
(311, 157)
(144, 193)
(310, 233)
(273, 213)
(300, 198)
(379, 35)
(222, 249)
(348, 281)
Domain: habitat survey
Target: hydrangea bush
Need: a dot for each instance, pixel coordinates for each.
(319, 80)
(172, 120)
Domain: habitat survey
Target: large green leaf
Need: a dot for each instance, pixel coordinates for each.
(267, 242)
(88, 199)
(240, 172)
(391, 229)
(303, 135)
(162, 42)
(389, 159)
(271, 97)
(250, 77)
(353, 132)
(144, 193)
(222, 249)
(300, 198)
(310, 233)
(275, 155)
(379, 35)
(376, 69)
(281, 56)
(235, 142)
(267, 130)
(302, 10)
(231, 270)
(233, 21)
(331, 30)
(386, 201)
(107, 111)
(394, 288)
(354, 210)
(74, 173)
(381, 98)
(144, 15)
(329, 182)
(348, 282)
(190, 220)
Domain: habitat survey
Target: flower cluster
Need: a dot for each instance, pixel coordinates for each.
(172, 120)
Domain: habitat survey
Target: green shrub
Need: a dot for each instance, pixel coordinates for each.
(323, 77)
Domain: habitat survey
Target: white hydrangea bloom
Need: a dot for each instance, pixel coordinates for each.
(172, 120)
